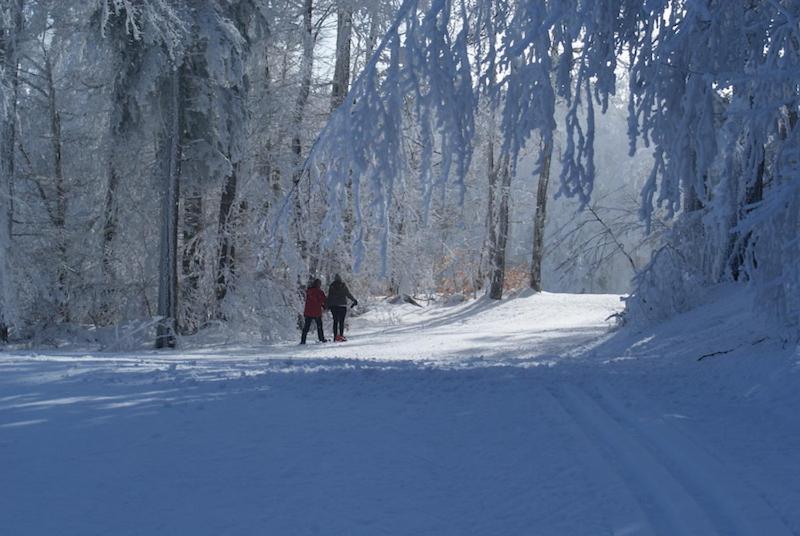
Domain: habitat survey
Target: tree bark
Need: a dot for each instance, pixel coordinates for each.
(8, 133)
(491, 212)
(271, 169)
(110, 217)
(753, 194)
(170, 154)
(372, 37)
(341, 71)
(499, 263)
(497, 215)
(306, 71)
(191, 262)
(110, 220)
(60, 209)
(339, 89)
(541, 215)
(127, 64)
(227, 251)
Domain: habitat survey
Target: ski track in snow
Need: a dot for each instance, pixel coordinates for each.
(483, 418)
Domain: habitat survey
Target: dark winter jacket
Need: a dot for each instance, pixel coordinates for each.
(338, 293)
(315, 302)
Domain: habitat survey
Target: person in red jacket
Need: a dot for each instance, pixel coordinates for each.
(315, 303)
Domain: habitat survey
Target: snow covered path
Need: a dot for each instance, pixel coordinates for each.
(475, 419)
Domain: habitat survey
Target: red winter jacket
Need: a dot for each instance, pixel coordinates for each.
(315, 302)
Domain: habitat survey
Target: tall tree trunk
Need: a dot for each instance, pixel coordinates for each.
(496, 251)
(227, 251)
(491, 211)
(110, 215)
(272, 170)
(127, 63)
(341, 71)
(281, 81)
(60, 209)
(170, 159)
(8, 134)
(110, 220)
(339, 89)
(374, 28)
(191, 262)
(499, 262)
(306, 71)
(226, 222)
(541, 215)
(753, 194)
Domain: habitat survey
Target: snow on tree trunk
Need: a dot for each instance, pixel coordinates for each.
(227, 253)
(170, 160)
(754, 194)
(499, 261)
(11, 25)
(541, 214)
(60, 208)
(110, 221)
(306, 71)
(127, 63)
(341, 71)
(191, 258)
(339, 87)
(491, 211)
(374, 28)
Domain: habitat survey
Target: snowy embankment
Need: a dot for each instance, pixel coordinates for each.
(524, 417)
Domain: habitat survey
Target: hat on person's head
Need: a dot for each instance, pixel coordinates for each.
(337, 277)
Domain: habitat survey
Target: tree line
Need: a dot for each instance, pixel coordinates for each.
(194, 162)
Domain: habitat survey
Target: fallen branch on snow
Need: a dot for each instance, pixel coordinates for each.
(759, 341)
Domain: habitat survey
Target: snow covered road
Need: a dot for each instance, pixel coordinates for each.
(478, 419)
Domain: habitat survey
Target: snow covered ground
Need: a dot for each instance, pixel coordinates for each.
(523, 417)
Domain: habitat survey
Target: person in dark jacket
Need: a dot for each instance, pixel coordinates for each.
(338, 294)
(315, 303)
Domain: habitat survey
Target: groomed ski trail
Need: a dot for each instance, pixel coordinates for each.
(479, 419)
(681, 488)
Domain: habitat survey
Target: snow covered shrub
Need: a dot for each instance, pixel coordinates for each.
(717, 94)
(454, 299)
(668, 285)
(773, 256)
(268, 310)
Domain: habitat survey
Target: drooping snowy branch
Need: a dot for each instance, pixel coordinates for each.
(712, 86)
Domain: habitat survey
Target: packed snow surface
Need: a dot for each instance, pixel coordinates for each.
(523, 417)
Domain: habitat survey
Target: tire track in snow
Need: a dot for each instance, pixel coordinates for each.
(737, 508)
(670, 508)
(623, 516)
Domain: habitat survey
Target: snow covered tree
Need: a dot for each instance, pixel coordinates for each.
(540, 215)
(441, 125)
(11, 20)
(341, 71)
(170, 157)
(681, 63)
